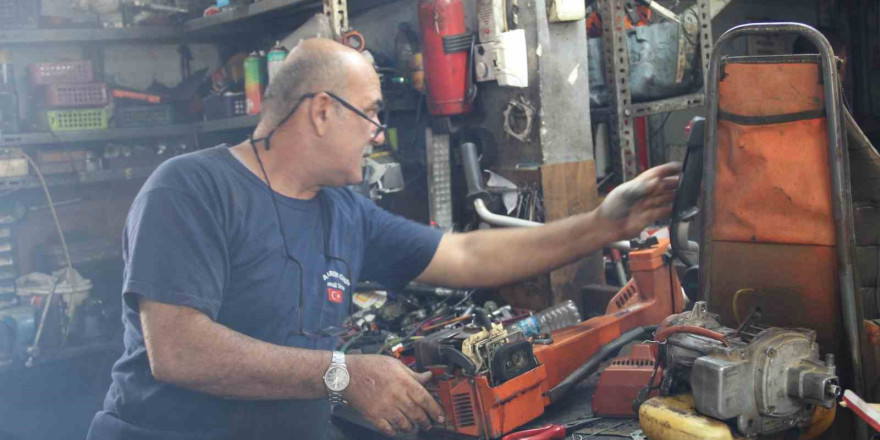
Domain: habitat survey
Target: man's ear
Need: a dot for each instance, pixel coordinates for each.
(320, 113)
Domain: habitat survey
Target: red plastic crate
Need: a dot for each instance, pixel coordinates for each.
(76, 95)
(61, 72)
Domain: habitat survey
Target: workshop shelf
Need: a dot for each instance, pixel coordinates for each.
(86, 35)
(48, 138)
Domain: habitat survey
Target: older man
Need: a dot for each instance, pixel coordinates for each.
(240, 261)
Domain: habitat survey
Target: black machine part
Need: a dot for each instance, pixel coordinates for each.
(510, 360)
(685, 205)
(766, 380)
(444, 348)
(590, 366)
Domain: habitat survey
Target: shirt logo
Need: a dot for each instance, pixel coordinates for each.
(334, 295)
(336, 284)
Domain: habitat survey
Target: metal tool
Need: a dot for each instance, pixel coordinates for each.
(551, 431)
(610, 428)
(868, 412)
(637, 435)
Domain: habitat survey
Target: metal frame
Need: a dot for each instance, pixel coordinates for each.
(439, 179)
(337, 12)
(616, 57)
(842, 201)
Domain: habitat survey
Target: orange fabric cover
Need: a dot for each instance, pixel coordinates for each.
(773, 181)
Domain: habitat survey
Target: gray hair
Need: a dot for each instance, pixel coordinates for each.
(306, 70)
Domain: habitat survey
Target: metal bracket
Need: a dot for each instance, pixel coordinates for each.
(616, 56)
(337, 12)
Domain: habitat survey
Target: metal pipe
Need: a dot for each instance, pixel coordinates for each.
(842, 202)
(507, 221)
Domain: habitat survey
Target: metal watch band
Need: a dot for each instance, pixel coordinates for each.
(337, 358)
(334, 397)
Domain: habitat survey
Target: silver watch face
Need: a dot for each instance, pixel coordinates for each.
(336, 378)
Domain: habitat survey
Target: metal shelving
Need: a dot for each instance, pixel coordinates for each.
(117, 174)
(243, 14)
(60, 137)
(622, 110)
(84, 35)
(69, 179)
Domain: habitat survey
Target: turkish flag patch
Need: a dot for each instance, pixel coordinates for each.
(334, 295)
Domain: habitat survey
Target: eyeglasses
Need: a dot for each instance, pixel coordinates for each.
(380, 128)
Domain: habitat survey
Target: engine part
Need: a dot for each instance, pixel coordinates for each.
(621, 382)
(511, 360)
(766, 379)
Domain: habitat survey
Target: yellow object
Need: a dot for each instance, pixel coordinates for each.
(675, 418)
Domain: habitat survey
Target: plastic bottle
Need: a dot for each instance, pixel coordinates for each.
(549, 320)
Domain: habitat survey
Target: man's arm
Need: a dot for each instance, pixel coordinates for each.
(501, 256)
(186, 348)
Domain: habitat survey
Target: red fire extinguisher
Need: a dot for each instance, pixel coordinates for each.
(446, 46)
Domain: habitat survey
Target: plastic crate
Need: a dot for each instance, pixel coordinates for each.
(77, 95)
(79, 119)
(61, 72)
(143, 116)
(19, 14)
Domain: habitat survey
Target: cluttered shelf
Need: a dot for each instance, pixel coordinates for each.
(67, 179)
(220, 22)
(80, 35)
(230, 20)
(57, 137)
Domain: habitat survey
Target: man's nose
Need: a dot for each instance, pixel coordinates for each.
(379, 140)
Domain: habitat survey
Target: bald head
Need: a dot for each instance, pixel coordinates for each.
(314, 65)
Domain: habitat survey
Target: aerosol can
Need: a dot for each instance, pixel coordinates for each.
(274, 59)
(254, 82)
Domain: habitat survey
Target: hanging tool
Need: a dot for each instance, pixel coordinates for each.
(551, 431)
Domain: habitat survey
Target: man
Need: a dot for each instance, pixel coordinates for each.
(239, 261)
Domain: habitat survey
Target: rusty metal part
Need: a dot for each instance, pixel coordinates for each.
(768, 382)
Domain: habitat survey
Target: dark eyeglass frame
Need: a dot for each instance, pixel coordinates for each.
(380, 128)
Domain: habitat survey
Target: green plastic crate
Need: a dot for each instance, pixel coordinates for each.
(78, 119)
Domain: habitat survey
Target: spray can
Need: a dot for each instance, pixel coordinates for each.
(275, 58)
(254, 82)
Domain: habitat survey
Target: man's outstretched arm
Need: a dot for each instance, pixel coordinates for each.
(501, 256)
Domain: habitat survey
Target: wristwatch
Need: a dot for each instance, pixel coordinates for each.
(336, 378)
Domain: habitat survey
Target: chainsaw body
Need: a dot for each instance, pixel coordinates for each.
(503, 381)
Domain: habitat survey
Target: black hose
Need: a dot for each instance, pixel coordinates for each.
(592, 364)
(471, 164)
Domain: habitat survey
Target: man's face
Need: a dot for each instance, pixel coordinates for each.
(353, 133)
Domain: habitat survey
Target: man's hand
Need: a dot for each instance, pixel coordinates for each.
(390, 395)
(636, 204)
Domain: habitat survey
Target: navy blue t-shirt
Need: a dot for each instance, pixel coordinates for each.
(203, 233)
